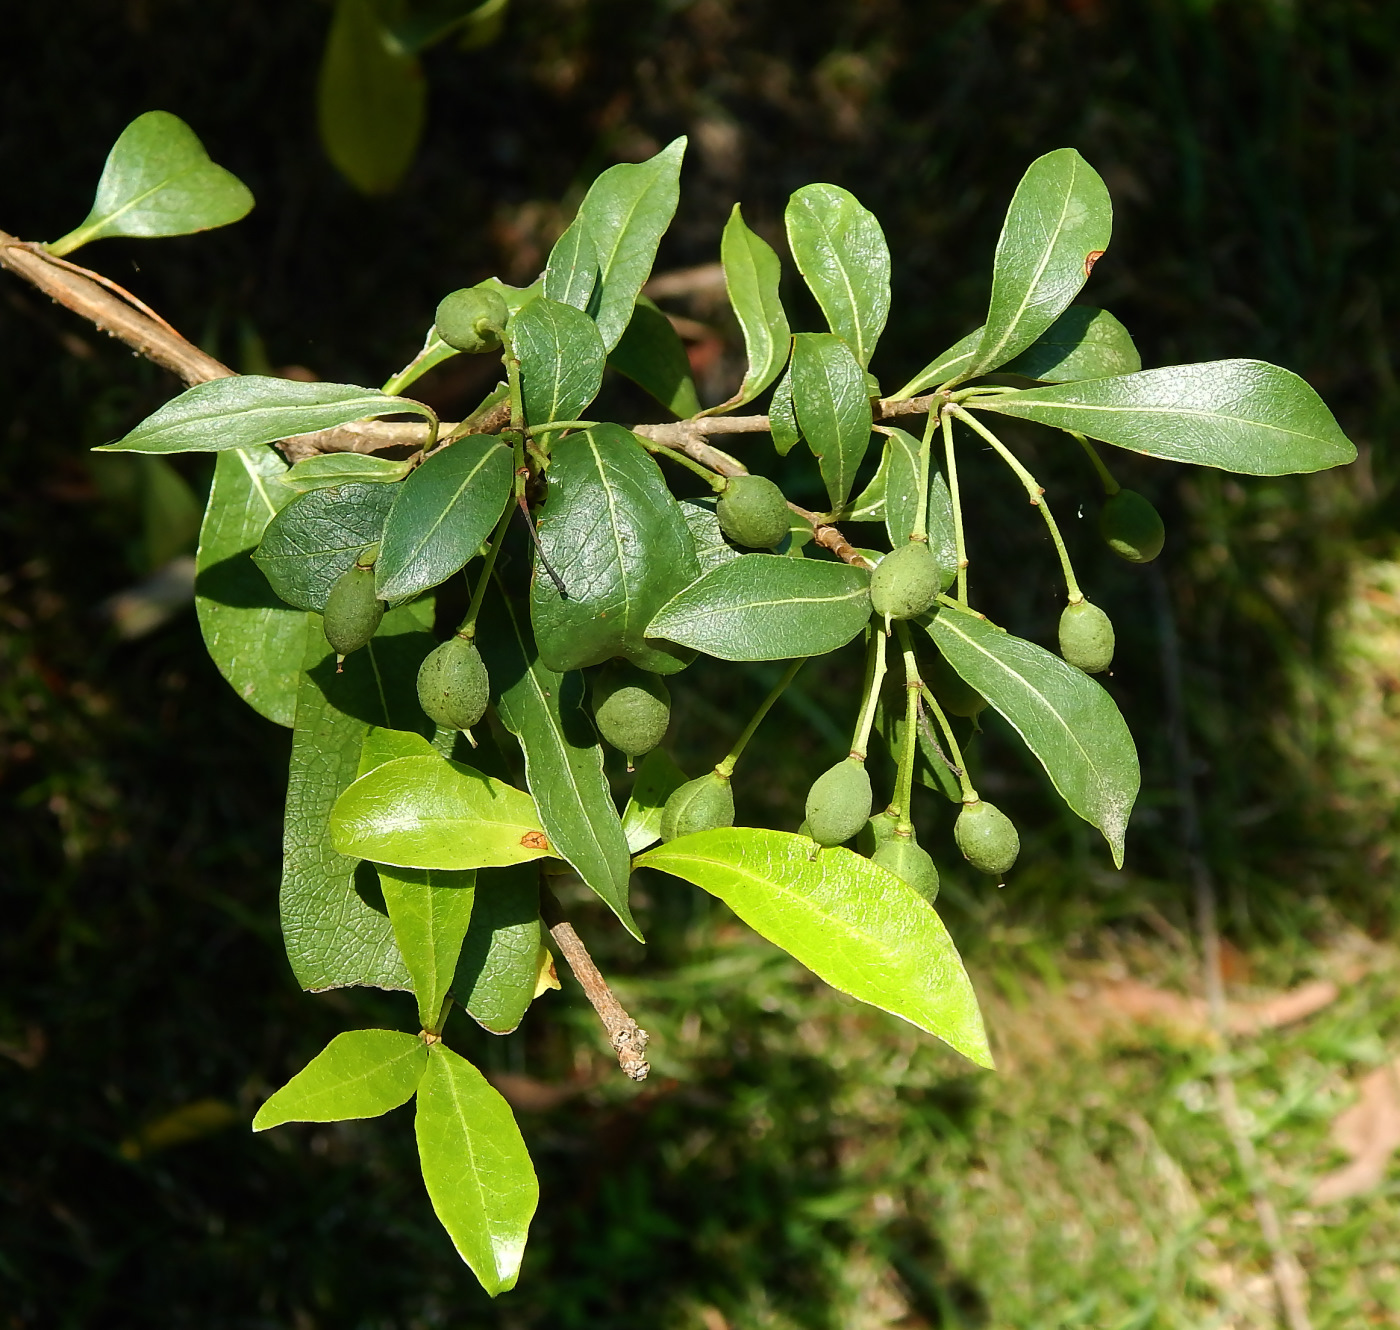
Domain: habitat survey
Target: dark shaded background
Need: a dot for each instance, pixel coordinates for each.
(1250, 150)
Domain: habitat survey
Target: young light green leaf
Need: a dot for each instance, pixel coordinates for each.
(319, 535)
(428, 812)
(359, 1074)
(441, 515)
(625, 213)
(619, 542)
(476, 1168)
(563, 758)
(658, 777)
(1066, 719)
(782, 417)
(841, 253)
(752, 273)
(833, 408)
(371, 100)
(1238, 415)
(571, 275)
(252, 636)
(1058, 225)
(768, 607)
(1083, 343)
(383, 745)
(326, 470)
(158, 181)
(711, 548)
(499, 964)
(430, 911)
(561, 360)
(653, 356)
(249, 409)
(852, 923)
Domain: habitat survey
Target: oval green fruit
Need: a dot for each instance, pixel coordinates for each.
(701, 804)
(453, 687)
(875, 832)
(1132, 527)
(472, 319)
(632, 708)
(838, 804)
(1086, 637)
(912, 863)
(353, 610)
(987, 838)
(752, 512)
(953, 693)
(906, 582)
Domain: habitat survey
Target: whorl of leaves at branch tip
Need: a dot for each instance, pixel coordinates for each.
(623, 560)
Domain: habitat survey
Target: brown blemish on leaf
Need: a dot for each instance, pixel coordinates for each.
(534, 840)
(1093, 256)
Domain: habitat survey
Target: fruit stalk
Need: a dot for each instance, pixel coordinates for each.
(726, 767)
(904, 781)
(951, 461)
(1110, 485)
(874, 679)
(954, 751)
(920, 531)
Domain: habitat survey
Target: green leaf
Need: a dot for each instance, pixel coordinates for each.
(1238, 415)
(653, 356)
(428, 812)
(359, 1074)
(371, 100)
(476, 1168)
(317, 536)
(658, 777)
(435, 351)
(1066, 719)
(383, 745)
(249, 409)
(561, 360)
(768, 607)
(326, 470)
(441, 515)
(563, 758)
(852, 923)
(619, 542)
(1059, 222)
(170, 512)
(499, 964)
(626, 212)
(256, 641)
(869, 504)
(571, 274)
(943, 368)
(159, 181)
(430, 911)
(841, 252)
(424, 26)
(711, 548)
(1083, 343)
(782, 417)
(833, 408)
(336, 933)
(902, 502)
(752, 273)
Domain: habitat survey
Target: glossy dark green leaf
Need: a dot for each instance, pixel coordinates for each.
(833, 408)
(430, 910)
(768, 607)
(563, 758)
(653, 356)
(254, 638)
(159, 181)
(326, 470)
(902, 502)
(442, 514)
(571, 275)
(711, 548)
(840, 250)
(1238, 415)
(476, 1168)
(371, 99)
(782, 417)
(561, 360)
(249, 409)
(1083, 343)
(860, 928)
(499, 964)
(752, 273)
(1066, 719)
(619, 542)
(626, 212)
(359, 1074)
(658, 777)
(1059, 222)
(319, 535)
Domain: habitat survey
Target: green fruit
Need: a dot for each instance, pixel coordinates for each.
(353, 610)
(908, 861)
(875, 833)
(953, 693)
(987, 838)
(1086, 637)
(701, 804)
(632, 708)
(1132, 527)
(838, 804)
(472, 319)
(453, 687)
(906, 582)
(753, 512)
